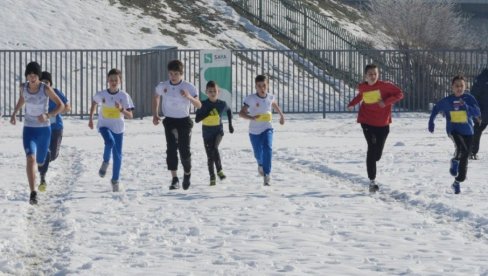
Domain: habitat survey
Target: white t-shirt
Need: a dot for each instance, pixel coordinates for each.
(108, 115)
(262, 107)
(174, 105)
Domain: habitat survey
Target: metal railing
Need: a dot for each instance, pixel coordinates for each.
(301, 86)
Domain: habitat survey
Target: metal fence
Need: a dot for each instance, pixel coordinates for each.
(81, 73)
(300, 26)
(301, 86)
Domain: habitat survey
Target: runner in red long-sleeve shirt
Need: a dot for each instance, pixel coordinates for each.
(377, 98)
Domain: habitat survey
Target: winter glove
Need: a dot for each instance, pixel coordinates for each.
(231, 128)
(431, 127)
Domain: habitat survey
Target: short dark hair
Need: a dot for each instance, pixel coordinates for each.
(212, 84)
(115, 71)
(45, 75)
(33, 68)
(175, 65)
(456, 78)
(369, 67)
(260, 78)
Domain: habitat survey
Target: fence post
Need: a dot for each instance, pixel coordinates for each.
(81, 86)
(260, 11)
(305, 29)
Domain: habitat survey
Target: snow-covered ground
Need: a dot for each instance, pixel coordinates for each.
(98, 24)
(317, 218)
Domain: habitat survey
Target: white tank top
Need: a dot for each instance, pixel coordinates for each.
(36, 104)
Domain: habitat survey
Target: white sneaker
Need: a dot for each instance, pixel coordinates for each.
(266, 180)
(260, 170)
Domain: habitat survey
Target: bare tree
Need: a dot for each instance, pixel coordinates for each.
(421, 24)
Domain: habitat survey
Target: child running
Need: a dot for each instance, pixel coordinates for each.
(479, 90)
(377, 98)
(177, 97)
(37, 131)
(460, 110)
(115, 104)
(258, 109)
(56, 129)
(211, 114)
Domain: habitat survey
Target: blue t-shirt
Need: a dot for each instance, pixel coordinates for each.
(57, 122)
(459, 112)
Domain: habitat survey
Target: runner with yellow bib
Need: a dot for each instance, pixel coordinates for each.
(210, 114)
(114, 104)
(461, 110)
(257, 109)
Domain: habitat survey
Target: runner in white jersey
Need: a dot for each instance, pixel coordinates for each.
(177, 98)
(114, 104)
(258, 109)
(36, 132)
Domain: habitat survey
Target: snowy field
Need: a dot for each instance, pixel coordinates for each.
(317, 218)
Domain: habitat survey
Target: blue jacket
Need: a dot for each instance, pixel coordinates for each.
(480, 91)
(459, 112)
(211, 114)
(57, 122)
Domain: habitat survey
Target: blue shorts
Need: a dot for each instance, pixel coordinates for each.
(36, 142)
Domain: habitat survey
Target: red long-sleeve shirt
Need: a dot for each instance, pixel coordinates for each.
(370, 112)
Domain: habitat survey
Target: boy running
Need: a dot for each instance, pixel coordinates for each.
(377, 98)
(56, 129)
(460, 110)
(115, 104)
(211, 114)
(479, 90)
(177, 97)
(37, 131)
(258, 109)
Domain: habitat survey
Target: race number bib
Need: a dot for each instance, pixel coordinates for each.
(110, 112)
(372, 97)
(265, 117)
(459, 116)
(213, 119)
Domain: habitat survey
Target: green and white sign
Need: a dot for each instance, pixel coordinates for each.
(216, 65)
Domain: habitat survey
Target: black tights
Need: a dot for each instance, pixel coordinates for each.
(213, 156)
(376, 137)
(463, 145)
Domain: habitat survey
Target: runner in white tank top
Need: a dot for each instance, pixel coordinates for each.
(36, 132)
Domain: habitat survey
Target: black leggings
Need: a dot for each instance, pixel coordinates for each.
(53, 153)
(376, 137)
(478, 129)
(213, 156)
(463, 145)
(178, 138)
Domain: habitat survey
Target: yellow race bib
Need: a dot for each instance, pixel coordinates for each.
(372, 97)
(459, 116)
(213, 119)
(265, 117)
(110, 112)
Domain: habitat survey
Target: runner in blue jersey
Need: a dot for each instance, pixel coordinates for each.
(56, 129)
(461, 110)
